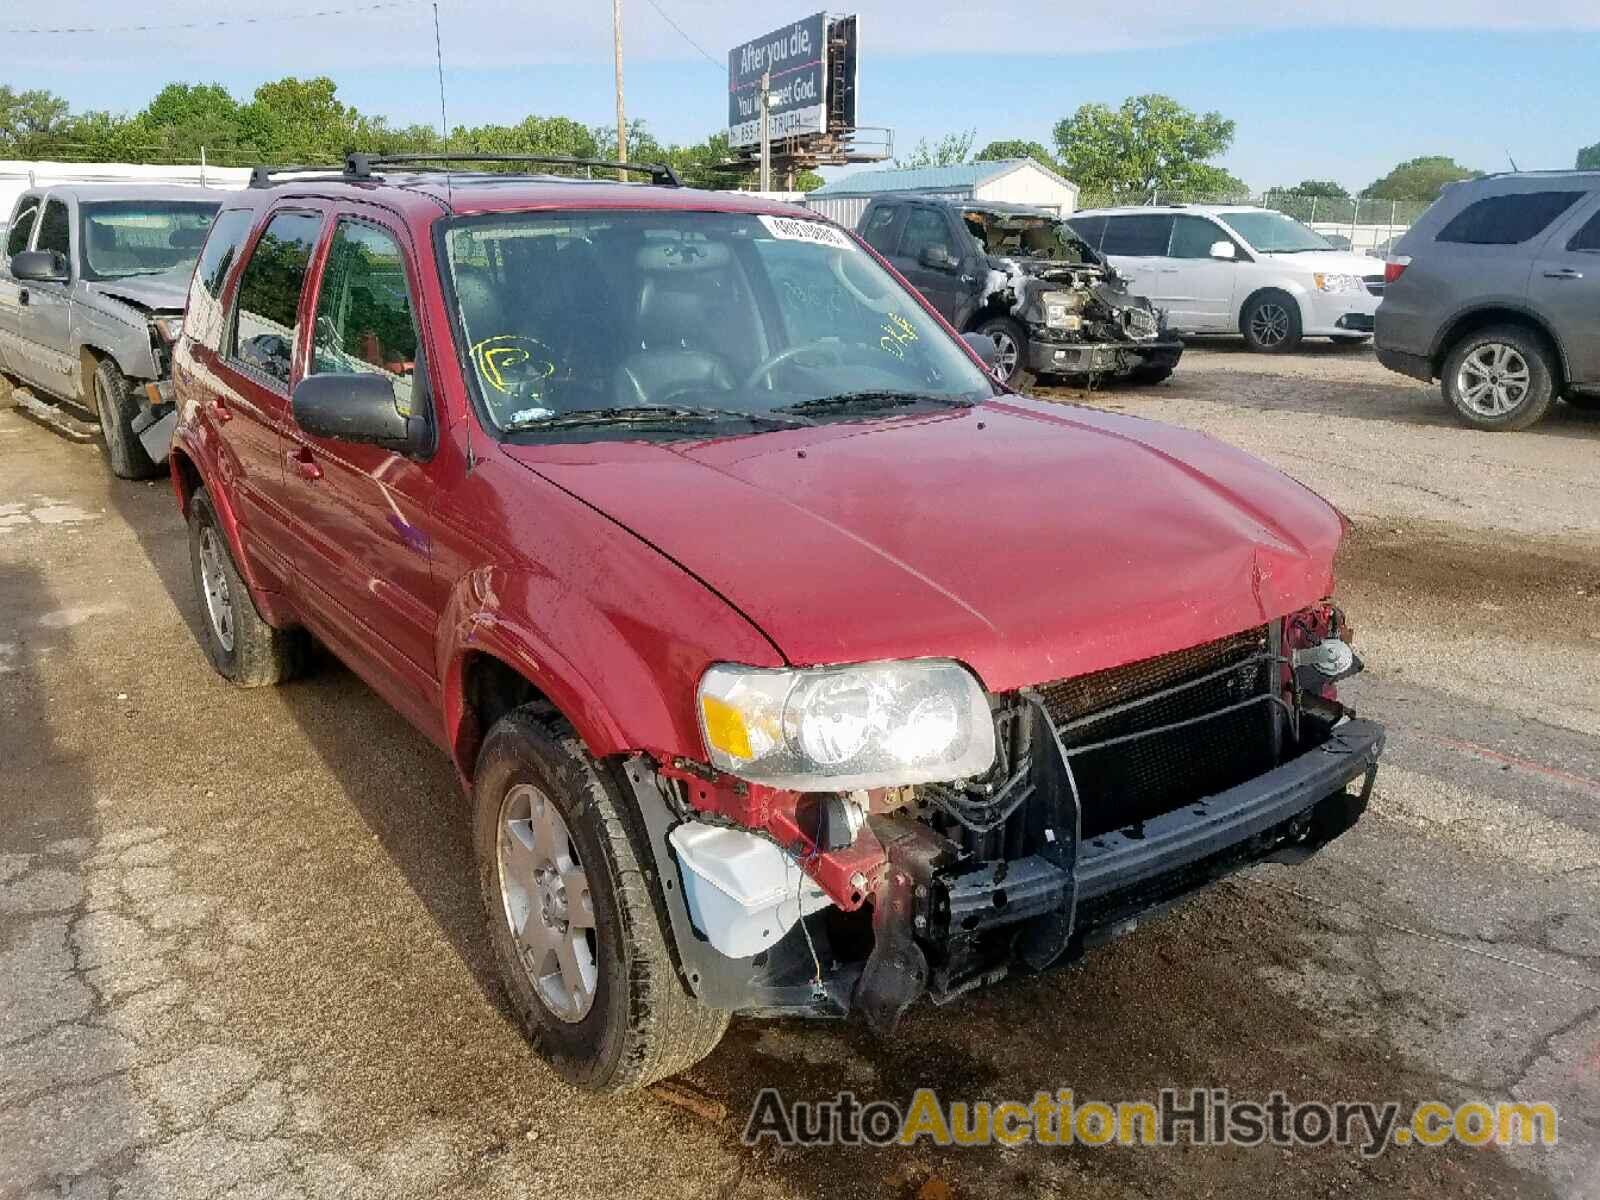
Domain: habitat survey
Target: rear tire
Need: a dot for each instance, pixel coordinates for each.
(1271, 323)
(1011, 345)
(579, 942)
(117, 404)
(1499, 379)
(240, 644)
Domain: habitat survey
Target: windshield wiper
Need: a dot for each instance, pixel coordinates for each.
(648, 414)
(879, 398)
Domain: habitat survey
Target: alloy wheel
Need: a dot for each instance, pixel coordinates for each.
(214, 585)
(545, 892)
(1493, 380)
(1006, 355)
(1269, 324)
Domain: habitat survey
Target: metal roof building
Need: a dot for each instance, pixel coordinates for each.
(1010, 180)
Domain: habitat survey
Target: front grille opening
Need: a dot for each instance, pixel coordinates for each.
(1149, 774)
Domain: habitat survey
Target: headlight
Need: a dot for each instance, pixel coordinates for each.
(839, 728)
(168, 327)
(1339, 283)
(1060, 311)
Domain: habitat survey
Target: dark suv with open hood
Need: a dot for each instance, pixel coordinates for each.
(1025, 279)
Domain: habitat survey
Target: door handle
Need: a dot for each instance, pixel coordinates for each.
(219, 411)
(303, 465)
(1564, 273)
(22, 297)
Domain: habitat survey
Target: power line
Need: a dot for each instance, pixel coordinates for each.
(710, 59)
(219, 23)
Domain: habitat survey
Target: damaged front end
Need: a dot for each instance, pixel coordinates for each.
(1078, 314)
(1107, 797)
(1081, 321)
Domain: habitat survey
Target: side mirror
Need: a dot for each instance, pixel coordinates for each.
(360, 408)
(40, 266)
(1222, 250)
(983, 346)
(936, 257)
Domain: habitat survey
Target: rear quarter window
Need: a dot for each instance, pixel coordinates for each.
(1506, 220)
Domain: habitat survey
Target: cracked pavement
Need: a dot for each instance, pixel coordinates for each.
(241, 952)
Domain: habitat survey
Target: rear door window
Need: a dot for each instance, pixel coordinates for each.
(203, 316)
(1138, 236)
(54, 230)
(22, 225)
(267, 323)
(1507, 220)
(880, 226)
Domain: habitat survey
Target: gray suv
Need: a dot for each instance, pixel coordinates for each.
(1495, 291)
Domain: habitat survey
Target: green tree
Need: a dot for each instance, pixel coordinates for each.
(1316, 187)
(1589, 158)
(1419, 178)
(1148, 143)
(949, 151)
(184, 118)
(29, 118)
(301, 119)
(1016, 148)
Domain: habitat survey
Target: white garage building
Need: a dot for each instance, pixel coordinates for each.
(1008, 180)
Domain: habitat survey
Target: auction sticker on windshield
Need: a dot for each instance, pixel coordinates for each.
(792, 230)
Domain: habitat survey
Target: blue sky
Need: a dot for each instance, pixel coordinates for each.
(1315, 92)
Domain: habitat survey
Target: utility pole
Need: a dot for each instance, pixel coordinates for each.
(766, 142)
(622, 121)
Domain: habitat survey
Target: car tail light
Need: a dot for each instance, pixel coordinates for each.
(1395, 266)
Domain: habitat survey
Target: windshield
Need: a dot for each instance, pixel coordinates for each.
(143, 237)
(613, 312)
(1274, 233)
(1027, 236)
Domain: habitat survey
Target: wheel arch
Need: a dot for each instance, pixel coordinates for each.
(494, 669)
(1269, 289)
(1467, 323)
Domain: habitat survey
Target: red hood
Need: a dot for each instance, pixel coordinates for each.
(1028, 540)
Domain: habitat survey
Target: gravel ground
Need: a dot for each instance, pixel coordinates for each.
(241, 954)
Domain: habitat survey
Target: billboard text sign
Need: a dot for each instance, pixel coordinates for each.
(794, 59)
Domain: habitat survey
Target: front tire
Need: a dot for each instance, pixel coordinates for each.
(240, 644)
(578, 939)
(1011, 351)
(1499, 379)
(1271, 323)
(1149, 376)
(117, 404)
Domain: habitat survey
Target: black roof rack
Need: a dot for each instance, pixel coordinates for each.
(359, 166)
(261, 177)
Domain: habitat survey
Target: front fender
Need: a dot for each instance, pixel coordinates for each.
(118, 333)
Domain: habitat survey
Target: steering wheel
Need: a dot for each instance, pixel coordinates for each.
(831, 348)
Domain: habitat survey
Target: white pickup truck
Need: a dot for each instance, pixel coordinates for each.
(92, 285)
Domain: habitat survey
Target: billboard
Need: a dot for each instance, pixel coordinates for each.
(795, 60)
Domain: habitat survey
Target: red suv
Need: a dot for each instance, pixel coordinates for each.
(792, 664)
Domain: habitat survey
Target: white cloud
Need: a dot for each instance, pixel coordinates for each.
(500, 33)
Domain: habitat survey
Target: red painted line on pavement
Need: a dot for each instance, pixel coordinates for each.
(1522, 764)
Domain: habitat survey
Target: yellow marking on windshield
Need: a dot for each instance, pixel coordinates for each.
(507, 359)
